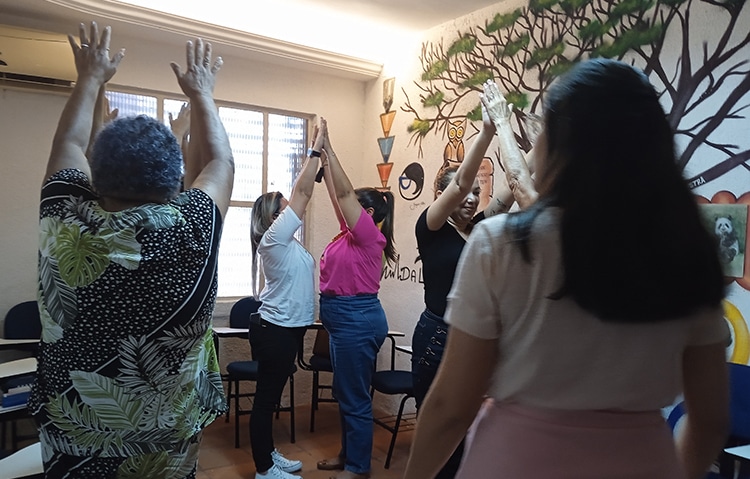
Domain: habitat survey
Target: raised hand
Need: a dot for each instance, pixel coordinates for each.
(181, 124)
(494, 103)
(200, 75)
(92, 57)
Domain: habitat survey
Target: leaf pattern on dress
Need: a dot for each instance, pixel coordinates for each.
(60, 299)
(156, 389)
(81, 256)
(124, 248)
(112, 404)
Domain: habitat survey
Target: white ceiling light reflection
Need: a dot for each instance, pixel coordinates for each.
(295, 21)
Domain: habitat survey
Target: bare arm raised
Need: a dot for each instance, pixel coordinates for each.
(209, 165)
(463, 180)
(303, 187)
(517, 173)
(339, 187)
(95, 67)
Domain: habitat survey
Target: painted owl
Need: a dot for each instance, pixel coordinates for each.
(453, 154)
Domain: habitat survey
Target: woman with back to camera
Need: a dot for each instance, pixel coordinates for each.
(574, 317)
(350, 310)
(127, 375)
(442, 230)
(288, 307)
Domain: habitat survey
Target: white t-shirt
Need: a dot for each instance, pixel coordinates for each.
(552, 353)
(289, 293)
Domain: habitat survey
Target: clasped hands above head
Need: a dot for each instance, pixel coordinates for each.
(494, 103)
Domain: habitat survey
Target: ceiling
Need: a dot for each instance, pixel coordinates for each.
(350, 36)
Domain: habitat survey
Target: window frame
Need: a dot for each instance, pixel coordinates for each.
(309, 119)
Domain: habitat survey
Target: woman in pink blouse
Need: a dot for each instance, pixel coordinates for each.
(350, 310)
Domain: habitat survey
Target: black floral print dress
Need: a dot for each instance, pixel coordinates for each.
(127, 375)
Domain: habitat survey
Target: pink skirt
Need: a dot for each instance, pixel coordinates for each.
(509, 441)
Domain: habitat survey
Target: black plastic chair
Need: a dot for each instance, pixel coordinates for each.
(394, 382)
(22, 321)
(320, 361)
(237, 371)
(739, 411)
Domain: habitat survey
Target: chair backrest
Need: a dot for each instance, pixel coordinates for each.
(22, 321)
(739, 381)
(239, 315)
(321, 345)
(739, 403)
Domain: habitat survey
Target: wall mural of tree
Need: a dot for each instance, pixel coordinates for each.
(526, 49)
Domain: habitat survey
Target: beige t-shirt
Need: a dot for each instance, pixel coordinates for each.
(552, 353)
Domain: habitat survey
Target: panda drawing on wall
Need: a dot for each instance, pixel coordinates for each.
(729, 224)
(729, 245)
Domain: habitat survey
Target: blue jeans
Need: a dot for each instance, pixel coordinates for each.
(357, 328)
(428, 345)
(274, 347)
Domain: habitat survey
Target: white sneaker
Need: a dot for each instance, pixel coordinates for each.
(275, 473)
(285, 464)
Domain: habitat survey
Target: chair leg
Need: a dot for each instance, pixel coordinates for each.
(395, 432)
(237, 413)
(314, 405)
(14, 434)
(291, 407)
(229, 399)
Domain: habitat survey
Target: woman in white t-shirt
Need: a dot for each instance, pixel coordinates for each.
(287, 307)
(584, 315)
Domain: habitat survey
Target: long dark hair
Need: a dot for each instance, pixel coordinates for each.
(382, 204)
(634, 248)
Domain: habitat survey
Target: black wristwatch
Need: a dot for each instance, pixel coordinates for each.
(311, 152)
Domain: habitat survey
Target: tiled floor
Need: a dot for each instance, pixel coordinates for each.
(220, 460)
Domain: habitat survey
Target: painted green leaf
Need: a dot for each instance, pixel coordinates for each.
(477, 78)
(593, 29)
(435, 70)
(626, 7)
(463, 44)
(513, 47)
(541, 55)
(475, 114)
(81, 256)
(435, 99)
(629, 40)
(502, 21)
(571, 6)
(537, 6)
(558, 68)
(420, 127)
(517, 99)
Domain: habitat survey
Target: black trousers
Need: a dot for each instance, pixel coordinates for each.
(275, 348)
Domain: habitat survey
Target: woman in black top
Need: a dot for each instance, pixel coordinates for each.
(442, 230)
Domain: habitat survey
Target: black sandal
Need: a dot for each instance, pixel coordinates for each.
(333, 464)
